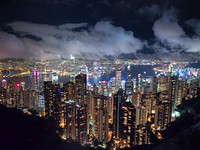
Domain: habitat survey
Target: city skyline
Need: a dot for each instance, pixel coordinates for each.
(99, 74)
(102, 103)
(142, 30)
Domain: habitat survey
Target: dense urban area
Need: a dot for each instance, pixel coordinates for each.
(104, 104)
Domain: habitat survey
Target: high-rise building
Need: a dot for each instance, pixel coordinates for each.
(142, 135)
(35, 79)
(172, 91)
(162, 111)
(80, 88)
(52, 96)
(119, 98)
(162, 83)
(123, 120)
(70, 119)
(179, 92)
(101, 118)
(127, 128)
(81, 108)
(155, 84)
(118, 80)
(81, 124)
(68, 91)
(48, 97)
(113, 85)
(147, 85)
(41, 105)
(129, 83)
(103, 88)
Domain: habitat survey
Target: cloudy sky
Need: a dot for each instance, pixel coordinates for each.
(166, 29)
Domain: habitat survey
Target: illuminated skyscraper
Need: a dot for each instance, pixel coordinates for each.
(81, 124)
(129, 83)
(162, 111)
(144, 112)
(80, 88)
(118, 79)
(142, 135)
(48, 96)
(35, 79)
(101, 118)
(119, 98)
(70, 119)
(155, 84)
(52, 97)
(113, 85)
(179, 92)
(123, 84)
(127, 128)
(81, 108)
(68, 92)
(41, 106)
(139, 83)
(103, 88)
(68, 109)
(35, 88)
(162, 83)
(172, 91)
(147, 85)
(123, 120)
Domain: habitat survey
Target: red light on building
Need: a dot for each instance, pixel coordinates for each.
(17, 85)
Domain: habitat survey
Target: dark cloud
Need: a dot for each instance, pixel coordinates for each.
(195, 24)
(151, 12)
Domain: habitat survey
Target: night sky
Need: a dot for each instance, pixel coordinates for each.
(149, 29)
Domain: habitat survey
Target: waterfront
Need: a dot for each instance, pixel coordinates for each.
(144, 70)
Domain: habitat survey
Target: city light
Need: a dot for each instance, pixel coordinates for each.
(121, 107)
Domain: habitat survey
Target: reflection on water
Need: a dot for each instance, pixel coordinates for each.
(143, 70)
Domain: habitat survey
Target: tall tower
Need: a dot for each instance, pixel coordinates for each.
(35, 80)
(113, 86)
(129, 83)
(70, 119)
(48, 97)
(80, 88)
(128, 123)
(163, 111)
(119, 98)
(118, 79)
(172, 90)
(81, 108)
(179, 92)
(101, 118)
(124, 120)
(52, 97)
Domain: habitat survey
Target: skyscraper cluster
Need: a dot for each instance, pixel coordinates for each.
(115, 113)
(126, 116)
